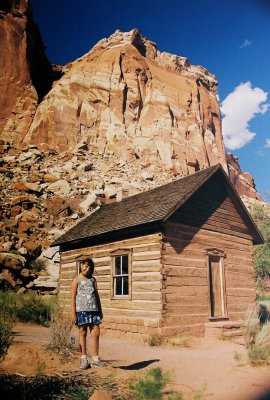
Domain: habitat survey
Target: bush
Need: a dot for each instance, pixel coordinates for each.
(259, 352)
(150, 386)
(251, 325)
(264, 311)
(28, 307)
(38, 265)
(32, 308)
(6, 324)
(256, 332)
(156, 339)
(61, 331)
(261, 215)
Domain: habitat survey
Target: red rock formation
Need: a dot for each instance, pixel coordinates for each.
(25, 71)
(242, 181)
(126, 98)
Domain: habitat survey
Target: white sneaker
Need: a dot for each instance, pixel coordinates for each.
(98, 364)
(84, 363)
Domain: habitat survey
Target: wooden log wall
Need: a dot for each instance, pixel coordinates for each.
(136, 317)
(185, 266)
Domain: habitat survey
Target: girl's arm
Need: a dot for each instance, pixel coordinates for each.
(98, 301)
(74, 287)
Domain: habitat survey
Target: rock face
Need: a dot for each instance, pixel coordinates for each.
(26, 74)
(242, 181)
(127, 99)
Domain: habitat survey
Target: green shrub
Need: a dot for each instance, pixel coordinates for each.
(38, 265)
(32, 308)
(6, 324)
(264, 311)
(261, 215)
(150, 385)
(262, 297)
(76, 393)
(28, 307)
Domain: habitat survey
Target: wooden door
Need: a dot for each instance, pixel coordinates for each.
(216, 285)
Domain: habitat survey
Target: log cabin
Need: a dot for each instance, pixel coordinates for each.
(175, 259)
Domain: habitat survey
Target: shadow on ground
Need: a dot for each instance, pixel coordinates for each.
(138, 365)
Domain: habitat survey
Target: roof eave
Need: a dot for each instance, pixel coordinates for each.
(105, 234)
(256, 234)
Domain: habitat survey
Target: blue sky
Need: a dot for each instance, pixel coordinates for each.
(229, 38)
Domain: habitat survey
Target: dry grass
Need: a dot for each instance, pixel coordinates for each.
(259, 352)
(156, 339)
(183, 340)
(257, 337)
(61, 332)
(251, 325)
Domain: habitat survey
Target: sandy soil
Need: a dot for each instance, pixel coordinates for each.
(208, 365)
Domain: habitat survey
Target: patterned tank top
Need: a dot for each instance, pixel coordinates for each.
(86, 299)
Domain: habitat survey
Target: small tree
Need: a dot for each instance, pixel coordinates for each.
(261, 215)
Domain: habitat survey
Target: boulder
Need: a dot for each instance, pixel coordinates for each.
(49, 178)
(60, 187)
(14, 261)
(88, 202)
(33, 248)
(7, 276)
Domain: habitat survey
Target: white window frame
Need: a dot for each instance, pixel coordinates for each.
(120, 253)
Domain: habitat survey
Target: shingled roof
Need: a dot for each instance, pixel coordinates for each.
(155, 205)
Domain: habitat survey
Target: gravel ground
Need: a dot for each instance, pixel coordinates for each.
(207, 366)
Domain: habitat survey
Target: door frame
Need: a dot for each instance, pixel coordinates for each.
(215, 252)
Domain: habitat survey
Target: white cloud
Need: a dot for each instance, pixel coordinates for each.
(238, 108)
(267, 144)
(245, 43)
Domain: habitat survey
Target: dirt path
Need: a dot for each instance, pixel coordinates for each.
(208, 365)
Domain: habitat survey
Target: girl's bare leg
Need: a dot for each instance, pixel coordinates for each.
(94, 331)
(82, 336)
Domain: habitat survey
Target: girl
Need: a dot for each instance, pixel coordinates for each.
(86, 311)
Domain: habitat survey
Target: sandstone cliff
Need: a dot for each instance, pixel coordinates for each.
(26, 74)
(126, 98)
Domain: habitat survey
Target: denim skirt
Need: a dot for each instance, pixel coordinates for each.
(88, 318)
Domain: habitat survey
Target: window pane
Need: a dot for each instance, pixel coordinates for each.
(125, 285)
(117, 265)
(118, 286)
(124, 265)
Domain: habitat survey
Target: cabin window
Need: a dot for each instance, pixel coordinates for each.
(120, 276)
(121, 266)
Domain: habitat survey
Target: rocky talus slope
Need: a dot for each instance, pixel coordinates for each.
(44, 193)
